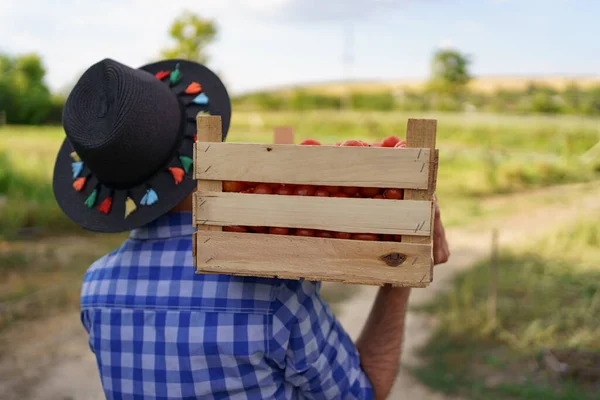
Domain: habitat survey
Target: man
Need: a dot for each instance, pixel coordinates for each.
(158, 330)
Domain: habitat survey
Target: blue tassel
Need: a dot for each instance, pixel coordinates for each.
(149, 198)
(201, 99)
(77, 167)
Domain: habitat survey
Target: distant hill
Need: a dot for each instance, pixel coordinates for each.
(482, 84)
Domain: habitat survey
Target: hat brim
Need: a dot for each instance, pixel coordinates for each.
(170, 193)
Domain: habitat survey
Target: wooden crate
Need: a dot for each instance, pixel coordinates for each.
(407, 263)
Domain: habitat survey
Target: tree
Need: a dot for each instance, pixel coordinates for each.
(449, 72)
(192, 34)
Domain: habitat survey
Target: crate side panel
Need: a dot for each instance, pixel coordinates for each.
(315, 165)
(325, 213)
(320, 259)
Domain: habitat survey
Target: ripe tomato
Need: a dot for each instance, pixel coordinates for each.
(235, 229)
(401, 144)
(364, 144)
(357, 195)
(304, 190)
(395, 194)
(310, 142)
(324, 234)
(365, 236)
(390, 141)
(305, 232)
(332, 189)
(249, 190)
(273, 186)
(285, 190)
(356, 143)
(258, 229)
(376, 145)
(321, 192)
(338, 144)
(342, 235)
(263, 188)
(387, 238)
(233, 186)
(275, 230)
(350, 190)
(397, 238)
(370, 191)
(379, 196)
(339, 194)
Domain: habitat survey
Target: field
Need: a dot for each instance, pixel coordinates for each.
(485, 160)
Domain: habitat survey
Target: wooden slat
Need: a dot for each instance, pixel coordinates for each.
(320, 259)
(316, 165)
(209, 129)
(421, 133)
(327, 213)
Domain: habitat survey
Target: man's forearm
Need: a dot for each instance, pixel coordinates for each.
(380, 342)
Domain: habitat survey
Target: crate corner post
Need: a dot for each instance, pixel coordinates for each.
(209, 130)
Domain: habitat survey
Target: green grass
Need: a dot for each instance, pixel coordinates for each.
(548, 297)
(480, 156)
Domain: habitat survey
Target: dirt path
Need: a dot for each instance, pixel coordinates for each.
(50, 359)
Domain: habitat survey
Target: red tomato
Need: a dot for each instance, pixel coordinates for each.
(365, 236)
(370, 191)
(390, 141)
(401, 144)
(273, 185)
(249, 190)
(376, 145)
(357, 143)
(338, 144)
(387, 238)
(357, 195)
(304, 190)
(235, 229)
(324, 234)
(321, 193)
(332, 189)
(395, 194)
(310, 142)
(397, 238)
(258, 229)
(233, 186)
(379, 196)
(350, 190)
(364, 144)
(263, 188)
(342, 235)
(339, 194)
(275, 230)
(285, 190)
(305, 232)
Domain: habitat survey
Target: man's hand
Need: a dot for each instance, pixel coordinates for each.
(441, 252)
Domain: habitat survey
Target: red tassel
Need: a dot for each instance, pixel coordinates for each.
(162, 75)
(177, 173)
(79, 183)
(193, 88)
(105, 206)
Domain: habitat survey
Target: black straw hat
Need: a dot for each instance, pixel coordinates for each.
(127, 158)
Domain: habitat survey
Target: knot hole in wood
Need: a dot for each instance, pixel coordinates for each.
(393, 259)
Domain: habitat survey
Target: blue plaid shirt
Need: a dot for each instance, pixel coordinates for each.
(160, 331)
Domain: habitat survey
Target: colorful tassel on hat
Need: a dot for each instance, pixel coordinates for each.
(76, 167)
(193, 88)
(186, 162)
(106, 205)
(201, 99)
(175, 75)
(75, 157)
(91, 200)
(149, 198)
(177, 173)
(79, 183)
(160, 75)
(129, 206)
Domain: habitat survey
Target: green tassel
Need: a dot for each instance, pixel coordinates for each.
(186, 163)
(91, 200)
(175, 75)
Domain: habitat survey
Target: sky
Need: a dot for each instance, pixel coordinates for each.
(271, 43)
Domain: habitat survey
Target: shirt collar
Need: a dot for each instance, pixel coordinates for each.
(166, 226)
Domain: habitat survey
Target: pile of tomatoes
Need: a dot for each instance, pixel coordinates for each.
(322, 191)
